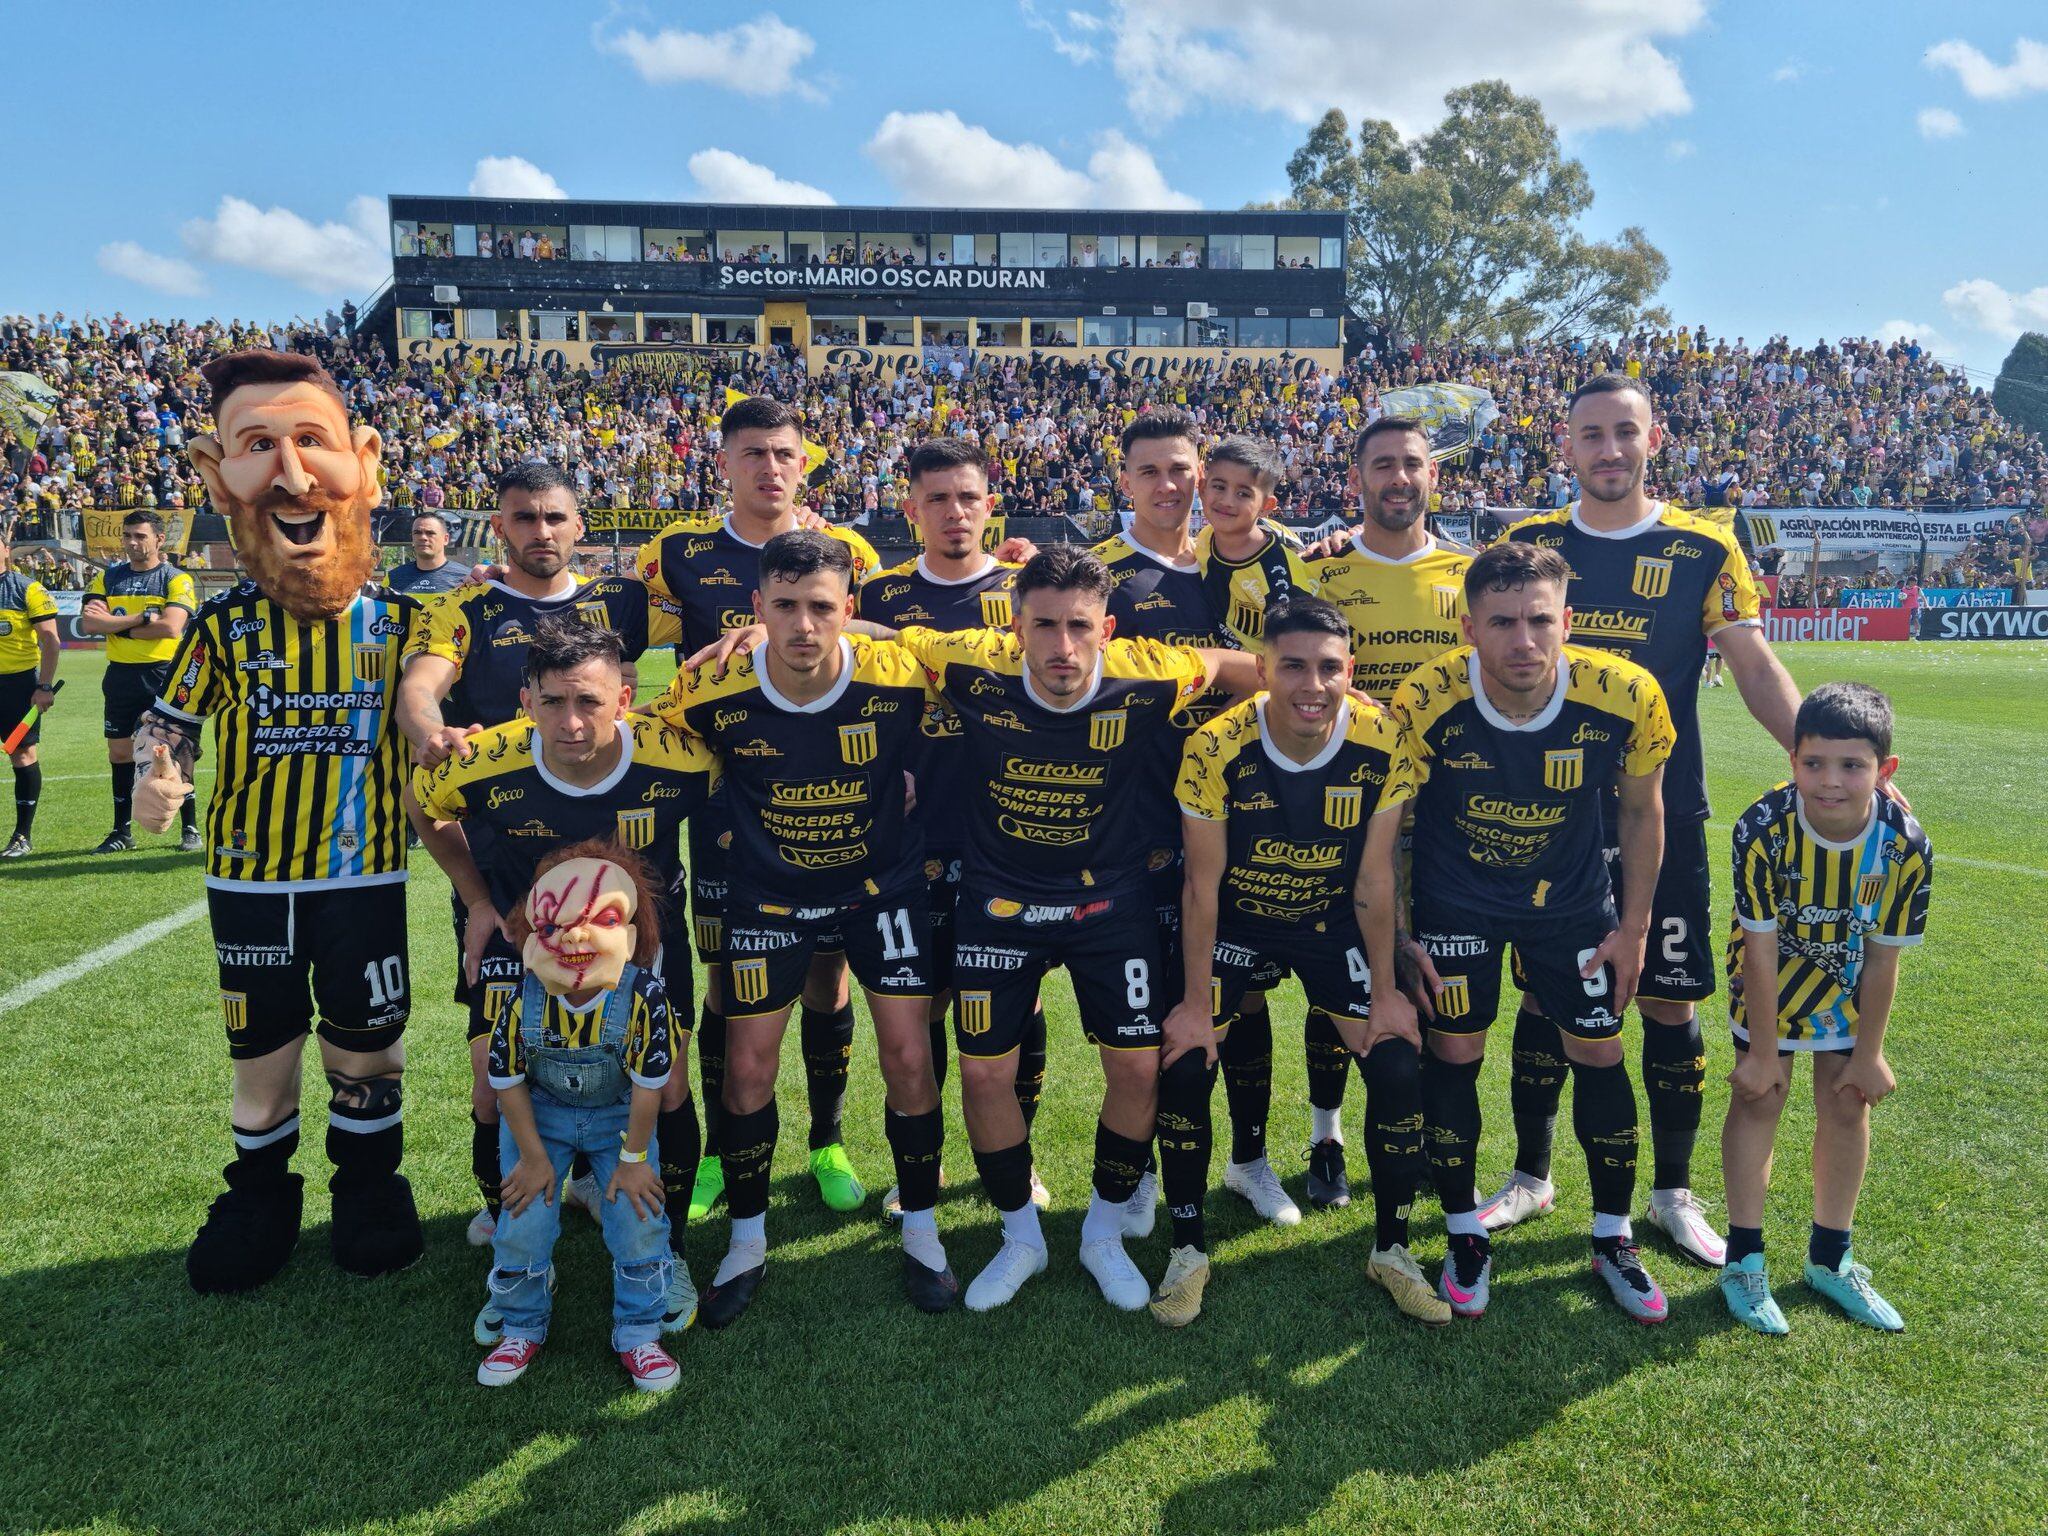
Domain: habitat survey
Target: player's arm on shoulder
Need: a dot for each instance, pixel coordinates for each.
(437, 641)
(1235, 672)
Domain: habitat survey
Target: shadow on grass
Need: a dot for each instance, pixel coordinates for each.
(69, 864)
(326, 1402)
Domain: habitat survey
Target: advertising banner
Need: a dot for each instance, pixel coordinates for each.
(1876, 597)
(1783, 625)
(1984, 623)
(102, 532)
(1966, 597)
(1872, 530)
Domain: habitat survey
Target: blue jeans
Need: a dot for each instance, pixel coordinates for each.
(525, 1243)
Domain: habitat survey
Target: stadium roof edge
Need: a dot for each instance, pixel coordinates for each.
(539, 204)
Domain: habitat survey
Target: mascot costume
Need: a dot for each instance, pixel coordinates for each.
(306, 830)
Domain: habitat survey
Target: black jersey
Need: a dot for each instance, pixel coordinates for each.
(1240, 591)
(1157, 600)
(709, 574)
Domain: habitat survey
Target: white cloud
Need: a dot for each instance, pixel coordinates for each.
(149, 269)
(512, 176)
(1680, 149)
(1938, 123)
(1791, 72)
(761, 57)
(1986, 81)
(724, 177)
(332, 258)
(933, 157)
(1985, 306)
(1592, 63)
(1069, 36)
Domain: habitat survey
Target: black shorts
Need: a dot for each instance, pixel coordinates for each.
(887, 940)
(1678, 963)
(710, 835)
(284, 954)
(1467, 959)
(130, 688)
(1111, 949)
(1333, 974)
(17, 693)
(500, 971)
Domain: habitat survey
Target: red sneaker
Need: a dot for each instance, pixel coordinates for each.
(652, 1368)
(507, 1363)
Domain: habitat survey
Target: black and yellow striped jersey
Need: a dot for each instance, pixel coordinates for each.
(1295, 831)
(1240, 591)
(1655, 593)
(814, 791)
(649, 1052)
(709, 574)
(1061, 817)
(127, 591)
(23, 605)
(486, 628)
(1825, 901)
(1402, 612)
(1507, 816)
(501, 780)
(309, 765)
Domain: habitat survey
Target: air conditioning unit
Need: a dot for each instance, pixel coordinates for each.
(1197, 310)
(446, 293)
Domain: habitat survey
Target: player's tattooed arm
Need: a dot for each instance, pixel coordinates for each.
(420, 692)
(719, 653)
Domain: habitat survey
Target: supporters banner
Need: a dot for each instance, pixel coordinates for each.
(25, 400)
(1984, 623)
(1782, 625)
(102, 528)
(608, 520)
(993, 533)
(1872, 530)
(1454, 414)
(1456, 527)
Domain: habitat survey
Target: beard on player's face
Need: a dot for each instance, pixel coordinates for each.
(310, 553)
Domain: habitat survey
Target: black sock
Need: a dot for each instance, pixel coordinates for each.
(124, 794)
(711, 1073)
(1185, 1137)
(1393, 1136)
(366, 1136)
(483, 1161)
(1534, 1088)
(749, 1149)
(263, 1156)
(1674, 1082)
(1827, 1246)
(1118, 1163)
(1006, 1175)
(1031, 1065)
(915, 1142)
(1743, 1241)
(1329, 1060)
(28, 788)
(1604, 1115)
(827, 1040)
(679, 1140)
(1450, 1104)
(1247, 1058)
(942, 1034)
(188, 814)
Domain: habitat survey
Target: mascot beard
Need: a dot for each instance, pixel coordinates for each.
(310, 554)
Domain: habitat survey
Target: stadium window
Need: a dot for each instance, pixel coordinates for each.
(944, 330)
(1261, 331)
(1226, 252)
(1014, 250)
(670, 329)
(744, 245)
(1313, 333)
(998, 333)
(890, 331)
(611, 327)
(984, 248)
(1333, 251)
(806, 246)
(1097, 250)
(676, 245)
(835, 330)
(1299, 250)
(416, 324)
(490, 324)
(553, 324)
(1049, 250)
(537, 242)
(731, 330)
(886, 248)
(1052, 333)
(1171, 250)
(1212, 333)
(1106, 331)
(465, 240)
(1258, 253)
(604, 242)
(1162, 333)
(405, 237)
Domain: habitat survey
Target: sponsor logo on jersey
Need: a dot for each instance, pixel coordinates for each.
(249, 624)
(266, 701)
(972, 1012)
(1003, 907)
(1033, 770)
(636, 828)
(1005, 719)
(1258, 800)
(502, 794)
(726, 719)
(810, 792)
(1037, 832)
(1590, 733)
(1154, 600)
(1306, 857)
(1453, 995)
(692, 548)
(879, 706)
(1157, 860)
(858, 744)
(1564, 771)
(263, 661)
(532, 827)
(822, 858)
(1652, 578)
(750, 981)
(995, 610)
(1629, 625)
(755, 748)
(718, 578)
(1342, 806)
(661, 792)
(735, 618)
(1515, 813)
(1106, 728)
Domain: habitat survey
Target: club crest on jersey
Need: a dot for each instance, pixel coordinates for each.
(594, 614)
(1106, 729)
(1342, 805)
(1564, 771)
(1247, 618)
(1652, 578)
(858, 744)
(750, 981)
(1446, 600)
(1453, 995)
(1868, 889)
(636, 828)
(972, 1012)
(995, 610)
(369, 660)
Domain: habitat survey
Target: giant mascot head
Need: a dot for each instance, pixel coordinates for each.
(592, 908)
(296, 484)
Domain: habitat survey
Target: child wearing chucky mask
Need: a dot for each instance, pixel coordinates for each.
(578, 1058)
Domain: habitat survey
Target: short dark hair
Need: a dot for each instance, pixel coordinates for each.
(1609, 383)
(536, 477)
(260, 365)
(759, 413)
(561, 643)
(1065, 568)
(1162, 421)
(1305, 616)
(1373, 429)
(938, 453)
(1845, 712)
(1253, 454)
(1503, 567)
(144, 517)
(423, 517)
(804, 552)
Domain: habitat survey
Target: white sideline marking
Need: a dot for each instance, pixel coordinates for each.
(50, 981)
(1992, 864)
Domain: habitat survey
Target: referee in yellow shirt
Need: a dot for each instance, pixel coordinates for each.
(28, 671)
(141, 606)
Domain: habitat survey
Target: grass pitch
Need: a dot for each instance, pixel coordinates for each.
(1299, 1402)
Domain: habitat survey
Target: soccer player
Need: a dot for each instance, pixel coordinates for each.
(1514, 739)
(473, 653)
(817, 730)
(709, 571)
(29, 648)
(1163, 594)
(1653, 584)
(1064, 724)
(954, 584)
(141, 606)
(1832, 879)
(429, 570)
(576, 764)
(1280, 797)
(1401, 589)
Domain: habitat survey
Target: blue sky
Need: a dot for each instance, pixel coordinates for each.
(1820, 168)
